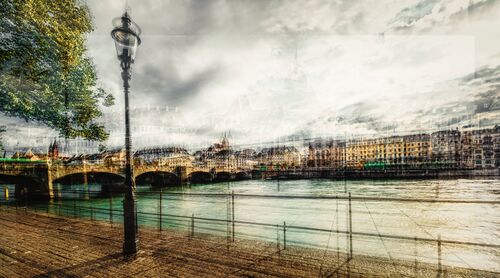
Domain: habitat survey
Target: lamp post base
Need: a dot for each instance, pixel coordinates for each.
(130, 229)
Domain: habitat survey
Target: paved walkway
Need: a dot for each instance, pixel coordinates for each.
(39, 245)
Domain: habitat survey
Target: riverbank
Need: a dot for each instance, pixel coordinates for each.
(39, 245)
(374, 174)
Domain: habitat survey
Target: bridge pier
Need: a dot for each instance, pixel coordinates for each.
(49, 185)
(20, 191)
(182, 173)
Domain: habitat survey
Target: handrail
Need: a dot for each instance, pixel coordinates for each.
(288, 227)
(307, 197)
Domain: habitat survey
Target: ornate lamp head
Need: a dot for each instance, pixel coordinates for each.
(126, 36)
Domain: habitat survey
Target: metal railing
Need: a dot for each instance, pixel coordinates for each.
(234, 228)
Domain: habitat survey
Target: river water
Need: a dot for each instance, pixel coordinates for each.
(379, 228)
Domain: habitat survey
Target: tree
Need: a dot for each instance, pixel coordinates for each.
(44, 74)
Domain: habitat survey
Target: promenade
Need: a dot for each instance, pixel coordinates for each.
(39, 245)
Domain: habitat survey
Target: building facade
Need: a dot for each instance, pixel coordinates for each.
(279, 158)
(164, 156)
(446, 148)
(481, 148)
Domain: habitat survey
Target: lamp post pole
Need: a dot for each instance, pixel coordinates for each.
(126, 36)
(129, 208)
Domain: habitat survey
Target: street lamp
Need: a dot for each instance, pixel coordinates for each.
(126, 36)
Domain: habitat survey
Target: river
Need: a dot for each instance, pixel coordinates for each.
(379, 227)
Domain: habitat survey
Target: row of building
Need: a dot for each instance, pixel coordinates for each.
(223, 155)
(465, 149)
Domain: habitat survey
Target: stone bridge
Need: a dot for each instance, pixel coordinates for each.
(39, 179)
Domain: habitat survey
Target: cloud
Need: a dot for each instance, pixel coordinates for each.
(172, 89)
(472, 100)
(433, 15)
(274, 69)
(411, 16)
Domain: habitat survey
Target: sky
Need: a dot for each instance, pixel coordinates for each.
(271, 71)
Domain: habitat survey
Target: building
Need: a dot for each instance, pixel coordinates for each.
(53, 150)
(246, 159)
(114, 157)
(395, 151)
(164, 156)
(446, 148)
(282, 157)
(416, 150)
(329, 153)
(480, 148)
(218, 155)
(29, 155)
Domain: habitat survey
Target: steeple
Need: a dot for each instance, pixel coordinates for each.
(54, 150)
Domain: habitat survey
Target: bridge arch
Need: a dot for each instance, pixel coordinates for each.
(242, 176)
(89, 177)
(223, 176)
(158, 178)
(24, 185)
(200, 177)
(110, 183)
(257, 174)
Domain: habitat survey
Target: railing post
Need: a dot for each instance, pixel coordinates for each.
(284, 235)
(350, 227)
(111, 209)
(192, 225)
(228, 220)
(278, 241)
(415, 254)
(136, 220)
(440, 267)
(232, 214)
(160, 201)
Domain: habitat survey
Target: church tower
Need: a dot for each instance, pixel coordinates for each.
(54, 150)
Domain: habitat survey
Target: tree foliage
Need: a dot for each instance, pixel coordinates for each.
(44, 73)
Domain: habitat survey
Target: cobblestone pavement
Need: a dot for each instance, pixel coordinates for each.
(39, 245)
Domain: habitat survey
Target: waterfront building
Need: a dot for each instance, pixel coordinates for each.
(29, 154)
(281, 157)
(359, 152)
(481, 148)
(416, 150)
(328, 153)
(446, 148)
(469, 149)
(246, 159)
(164, 156)
(408, 151)
(217, 155)
(496, 146)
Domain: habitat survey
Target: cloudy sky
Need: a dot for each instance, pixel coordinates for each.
(269, 71)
